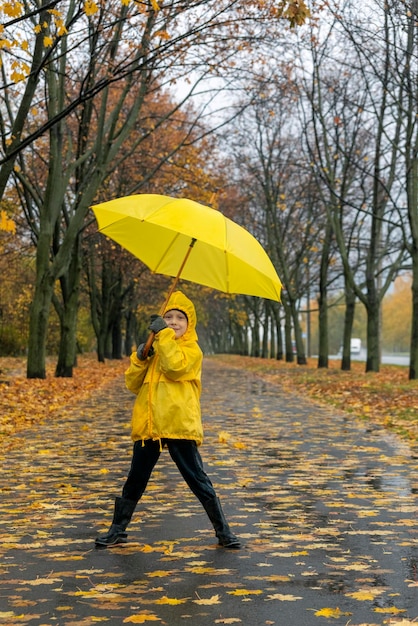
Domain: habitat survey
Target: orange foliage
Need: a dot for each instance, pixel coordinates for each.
(24, 403)
(397, 316)
(6, 223)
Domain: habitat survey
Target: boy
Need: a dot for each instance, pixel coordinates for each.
(167, 413)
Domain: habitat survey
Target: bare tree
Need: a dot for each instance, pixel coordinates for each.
(143, 48)
(410, 152)
(33, 38)
(284, 210)
(355, 147)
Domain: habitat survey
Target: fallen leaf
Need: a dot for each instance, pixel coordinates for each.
(173, 601)
(328, 612)
(208, 570)
(282, 597)
(141, 618)
(391, 609)
(43, 581)
(245, 592)
(223, 437)
(146, 548)
(207, 601)
(364, 594)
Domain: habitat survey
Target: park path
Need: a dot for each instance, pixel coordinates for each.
(326, 508)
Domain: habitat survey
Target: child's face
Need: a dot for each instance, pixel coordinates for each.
(177, 321)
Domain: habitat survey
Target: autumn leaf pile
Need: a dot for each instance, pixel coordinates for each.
(27, 402)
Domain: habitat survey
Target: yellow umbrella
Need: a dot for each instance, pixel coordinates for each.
(177, 236)
(180, 237)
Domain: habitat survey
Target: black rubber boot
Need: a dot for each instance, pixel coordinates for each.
(225, 537)
(121, 517)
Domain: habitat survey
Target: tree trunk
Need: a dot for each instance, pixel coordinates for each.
(279, 351)
(373, 335)
(300, 350)
(70, 287)
(117, 337)
(131, 330)
(273, 341)
(276, 321)
(413, 364)
(323, 330)
(411, 163)
(101, 346)
(245, 341)
(68, 338)
(350, 308)
(255, 339)
(323, 347)
(288, 335)
(265, 343)
(38, 325)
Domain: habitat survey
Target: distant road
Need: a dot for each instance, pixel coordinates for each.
(388, 359)
(392, 359)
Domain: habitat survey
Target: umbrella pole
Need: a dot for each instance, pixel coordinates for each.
(170, 292)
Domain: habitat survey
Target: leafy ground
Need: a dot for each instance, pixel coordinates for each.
(326, 508)
(386, 398)
(26, 402)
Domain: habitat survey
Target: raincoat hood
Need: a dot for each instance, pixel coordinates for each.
(182, 303)
(168, 384)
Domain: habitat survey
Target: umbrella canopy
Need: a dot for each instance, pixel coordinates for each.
(164, 232)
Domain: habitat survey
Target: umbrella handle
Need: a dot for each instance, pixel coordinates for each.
(151, 336)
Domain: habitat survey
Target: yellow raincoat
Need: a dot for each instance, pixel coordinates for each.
(168, 383)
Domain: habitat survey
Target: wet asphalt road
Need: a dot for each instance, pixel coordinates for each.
(326, 509)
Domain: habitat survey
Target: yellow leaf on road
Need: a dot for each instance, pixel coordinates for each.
(212, 600)
(391, 609)
(141, 618)
(43, 581)
(284, 597)
(328, 612)
(245, 592)
(208, 570)
(240, 446)
(223, 437)
(365, 594)
(146, 548)
(367, 513)
(173, 601)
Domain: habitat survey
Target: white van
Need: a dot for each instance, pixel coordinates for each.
(355, 346)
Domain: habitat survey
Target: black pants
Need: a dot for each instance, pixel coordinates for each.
(185, 455)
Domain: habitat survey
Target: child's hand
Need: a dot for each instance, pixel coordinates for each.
(157, 323)
(140, 350)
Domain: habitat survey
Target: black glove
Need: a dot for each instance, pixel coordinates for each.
(157, 323)
(140, 349)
